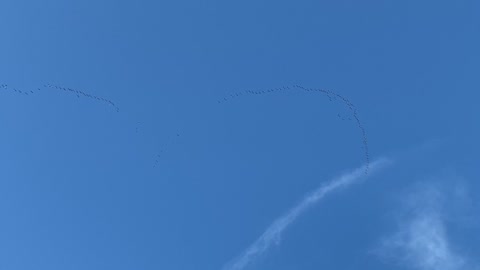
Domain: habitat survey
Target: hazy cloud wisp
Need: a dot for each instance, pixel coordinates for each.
(422, 241)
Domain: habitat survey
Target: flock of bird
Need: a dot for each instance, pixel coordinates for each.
(78, 93)
(332, 96)
(5, 87)
(158, 156)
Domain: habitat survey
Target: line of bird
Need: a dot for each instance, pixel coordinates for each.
(18, 91)
(332, 96)
(78, 93)
(162, 150)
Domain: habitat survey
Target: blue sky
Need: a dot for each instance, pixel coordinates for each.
(177, 180)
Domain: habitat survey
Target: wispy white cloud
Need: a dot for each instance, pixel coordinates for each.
(273, 233)
(423, 244)
(422, 240)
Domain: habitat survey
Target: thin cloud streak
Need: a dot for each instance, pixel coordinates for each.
(273, 233)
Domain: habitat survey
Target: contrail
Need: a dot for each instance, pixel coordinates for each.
(272, 234)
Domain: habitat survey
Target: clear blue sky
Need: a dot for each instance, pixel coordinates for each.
(175, 180)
